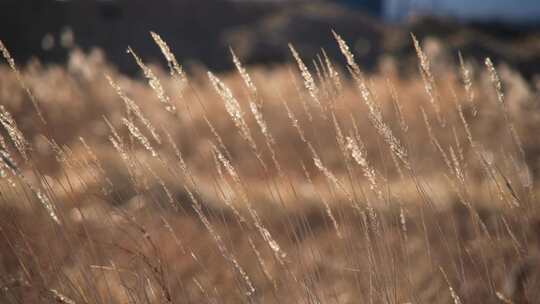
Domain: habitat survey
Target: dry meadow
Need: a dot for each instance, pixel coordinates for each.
(311, 182)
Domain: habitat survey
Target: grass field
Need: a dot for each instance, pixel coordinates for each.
(305, 183)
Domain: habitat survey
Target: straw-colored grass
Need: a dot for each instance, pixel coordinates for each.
(307, 183)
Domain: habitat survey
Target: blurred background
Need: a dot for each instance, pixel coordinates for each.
(200, 32)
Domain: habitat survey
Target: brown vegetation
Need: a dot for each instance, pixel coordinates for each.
(305, 183)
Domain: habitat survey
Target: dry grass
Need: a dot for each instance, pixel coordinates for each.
(307, 183)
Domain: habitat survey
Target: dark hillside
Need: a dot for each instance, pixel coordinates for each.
(258, 31)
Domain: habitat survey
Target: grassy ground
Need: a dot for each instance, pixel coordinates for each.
(305, 183)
